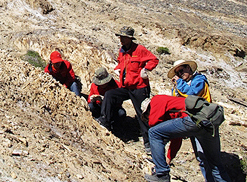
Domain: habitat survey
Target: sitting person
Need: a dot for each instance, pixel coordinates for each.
(165, 124)
(62, 71)
(102, 82)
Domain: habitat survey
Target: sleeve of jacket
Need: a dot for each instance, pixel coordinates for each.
(150, 59)
(197, 84)
(91, 93)
(174, 147)
(70, 76)
(46, 70)
(117, 67)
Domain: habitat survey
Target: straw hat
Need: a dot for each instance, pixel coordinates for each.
(101, 76)
(178, 63)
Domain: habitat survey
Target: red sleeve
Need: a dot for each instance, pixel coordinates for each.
(90, 94)
(93, 91)
(150, 58)
(70, 76)
(117, 67)
(46, 69)
(174, 147)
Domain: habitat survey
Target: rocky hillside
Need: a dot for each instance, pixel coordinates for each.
(48, 134)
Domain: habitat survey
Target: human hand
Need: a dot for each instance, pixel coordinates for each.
(144, 73)
(174, 79)
(95, 98)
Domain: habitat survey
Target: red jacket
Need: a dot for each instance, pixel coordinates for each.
(96, 90)
(131, 63)
(160, 106)
(65, 75)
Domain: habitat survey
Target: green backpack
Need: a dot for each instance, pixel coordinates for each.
(206, 114)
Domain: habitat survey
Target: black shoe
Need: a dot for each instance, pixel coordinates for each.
(102, 122)
(157, 178)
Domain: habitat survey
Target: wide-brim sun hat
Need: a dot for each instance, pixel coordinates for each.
(56, 57)
(126, 32)
(101, 76)
(171, 73)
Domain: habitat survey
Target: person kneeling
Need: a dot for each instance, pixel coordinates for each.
(102, 82)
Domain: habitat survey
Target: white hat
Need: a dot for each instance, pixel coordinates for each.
(145, 104)
(178, 63)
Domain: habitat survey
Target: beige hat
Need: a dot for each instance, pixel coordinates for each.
(101, 76)
(178, 63)
(126, 32)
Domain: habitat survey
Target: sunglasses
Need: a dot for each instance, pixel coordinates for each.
(180, 71)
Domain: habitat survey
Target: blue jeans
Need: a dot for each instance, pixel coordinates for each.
(74, 88)
(203, 163)
(160, 135)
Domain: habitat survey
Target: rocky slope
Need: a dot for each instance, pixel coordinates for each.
(47, 133)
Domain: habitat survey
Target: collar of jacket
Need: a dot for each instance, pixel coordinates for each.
(132, 47)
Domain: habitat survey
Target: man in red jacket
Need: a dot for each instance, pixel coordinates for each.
(134, 61)
(166, 124)
(102, 82)
(62, 71)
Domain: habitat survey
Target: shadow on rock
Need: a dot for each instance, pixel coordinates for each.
(127, 129)
(233, 167)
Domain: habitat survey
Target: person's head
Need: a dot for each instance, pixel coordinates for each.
(183, 69)
(56, 59)
(126, 35)
(145, 107)
(101, 77)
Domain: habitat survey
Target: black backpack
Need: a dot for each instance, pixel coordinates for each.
(204, 113)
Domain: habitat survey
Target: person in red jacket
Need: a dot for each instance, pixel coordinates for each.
(134, 61)
(167, 123)
(62, 71)
(102, 82)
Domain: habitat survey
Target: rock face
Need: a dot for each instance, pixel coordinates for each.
(47, 132)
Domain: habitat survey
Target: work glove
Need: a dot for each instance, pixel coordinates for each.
(144, 73)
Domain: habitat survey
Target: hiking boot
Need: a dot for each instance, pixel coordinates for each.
(158, 178)
(102, 122)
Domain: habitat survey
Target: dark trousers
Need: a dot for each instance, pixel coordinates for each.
(119, 112)
(115, 96)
